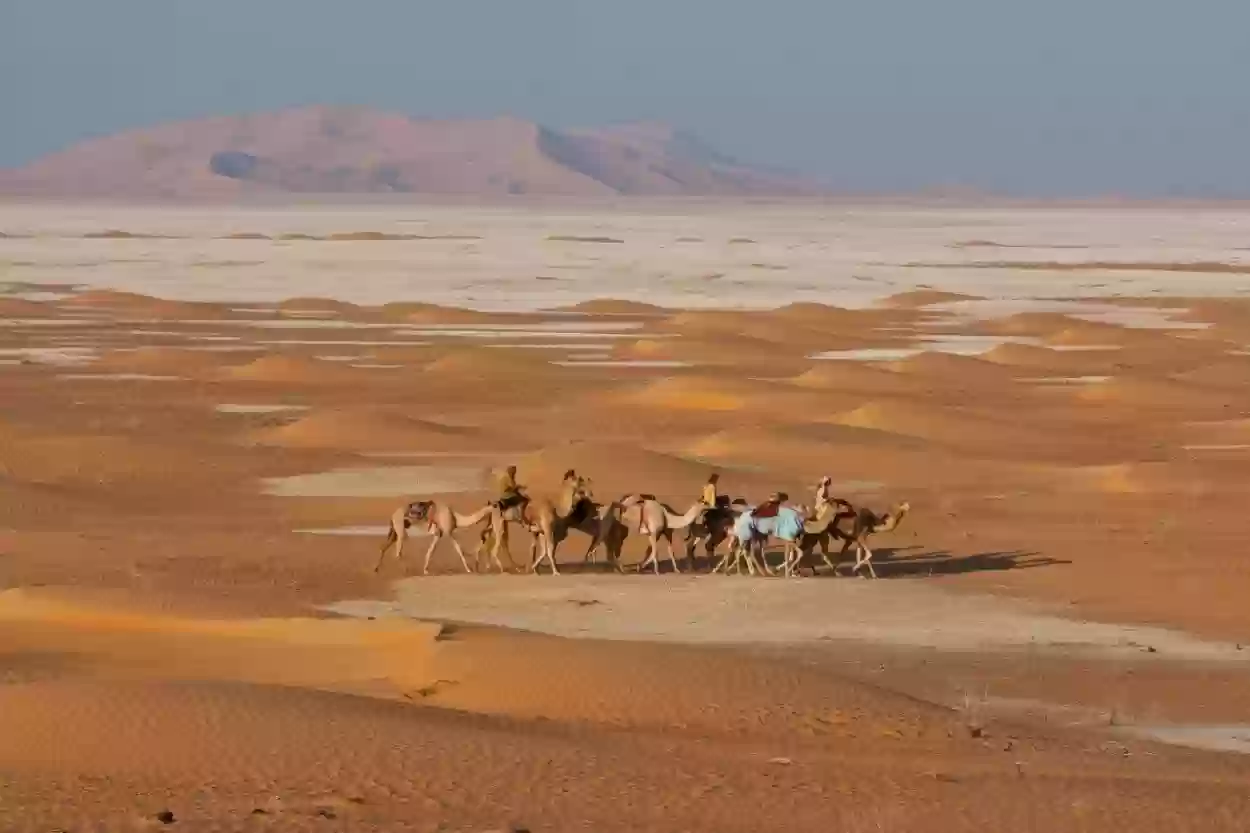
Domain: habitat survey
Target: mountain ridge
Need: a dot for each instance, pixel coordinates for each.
(359, 150)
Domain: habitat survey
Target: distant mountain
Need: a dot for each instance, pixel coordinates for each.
(348, 150)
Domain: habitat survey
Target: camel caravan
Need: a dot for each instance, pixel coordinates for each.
(745, 530)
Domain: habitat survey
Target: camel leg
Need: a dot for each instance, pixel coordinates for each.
(672, 557)
(846, 545)
(763, 545)
(754, 567)
(494, 552)
(392, 537)
(426, 566)
(646, 559)
(502, 543)
(551, 555)
(796, 553)
(866, 560)
(824, 552)
(460, 552)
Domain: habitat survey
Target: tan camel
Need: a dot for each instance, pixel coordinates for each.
(661, 522)
(441, 521)
(869, 523)
(548, 520)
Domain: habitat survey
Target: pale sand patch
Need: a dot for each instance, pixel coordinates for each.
(56, 356)
(1231, 738)
(364, 531)
(120, 377)
(256, 408)
(853, 258)
(621, 363)
(731, 610)
(382, 481)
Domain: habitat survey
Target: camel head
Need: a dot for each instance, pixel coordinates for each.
(895, 516)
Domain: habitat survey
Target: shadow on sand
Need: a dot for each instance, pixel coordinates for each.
(944, 563)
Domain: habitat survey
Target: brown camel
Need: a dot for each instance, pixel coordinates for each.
(824, 526)
(869, 523)
(714, 528)
(612, 529)
(660, 522)
(441, 521)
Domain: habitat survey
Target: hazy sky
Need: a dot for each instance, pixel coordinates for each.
(1018, 96)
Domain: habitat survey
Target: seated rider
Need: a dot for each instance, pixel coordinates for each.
(709, 498)
(510, 494)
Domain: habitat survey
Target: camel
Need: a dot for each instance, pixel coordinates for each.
(442, 521)
(611, 532)
(869, 523)
(547, 520)
(713, 528)
(751, 532)
(661, 521)
(825, 525)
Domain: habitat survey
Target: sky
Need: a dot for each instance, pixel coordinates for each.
(1020, 97)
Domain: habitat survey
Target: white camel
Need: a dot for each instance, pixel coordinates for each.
(660, 522)
(441, 520)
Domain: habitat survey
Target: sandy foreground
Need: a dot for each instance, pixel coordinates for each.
(207, 417)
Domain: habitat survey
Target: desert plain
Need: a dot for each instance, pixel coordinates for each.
(208, 414)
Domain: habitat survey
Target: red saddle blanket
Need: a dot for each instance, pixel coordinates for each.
(767, 510)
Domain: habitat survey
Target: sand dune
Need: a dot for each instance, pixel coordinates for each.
(1157, 394)
(1232, 372)
(920, 298)
(317, 305)
(976, 433)
(277, 368)
(1178, 480)
(614, 306)
(135, 304)
(172, 361)
(633, 470)
(373, 429)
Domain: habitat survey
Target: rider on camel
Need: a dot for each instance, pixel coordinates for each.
(510, 494)
(709, 498)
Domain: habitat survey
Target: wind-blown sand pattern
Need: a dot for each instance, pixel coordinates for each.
(197, 466)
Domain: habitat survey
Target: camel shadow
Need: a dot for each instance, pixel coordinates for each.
(945, 563)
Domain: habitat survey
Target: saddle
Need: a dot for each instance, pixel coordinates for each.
(767, 510)
(511, 501)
